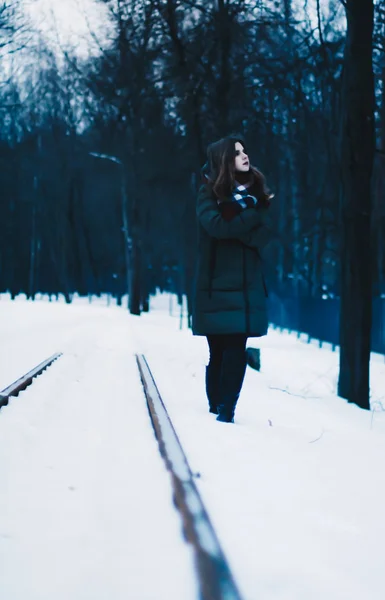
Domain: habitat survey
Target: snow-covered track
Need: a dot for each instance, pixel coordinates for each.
(23, 382)
(215, 579)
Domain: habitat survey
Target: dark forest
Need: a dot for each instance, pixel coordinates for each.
(100, 156)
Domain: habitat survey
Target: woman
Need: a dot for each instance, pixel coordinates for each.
(230, 292)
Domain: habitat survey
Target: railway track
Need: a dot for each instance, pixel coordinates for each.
(23, 382)
(215, 579)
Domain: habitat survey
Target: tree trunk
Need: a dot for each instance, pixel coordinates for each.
(136, 296)
(223, 24)
(358, 143)
(126, 234)
(378, 216)
(33, 244)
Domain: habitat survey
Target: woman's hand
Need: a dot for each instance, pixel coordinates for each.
(236, 222)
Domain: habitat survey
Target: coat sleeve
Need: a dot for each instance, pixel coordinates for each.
(260, 236)
(212, 221)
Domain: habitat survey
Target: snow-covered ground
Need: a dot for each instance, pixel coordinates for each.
(85, 501)
(296, 488)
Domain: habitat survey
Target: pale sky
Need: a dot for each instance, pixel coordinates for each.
(67, 19)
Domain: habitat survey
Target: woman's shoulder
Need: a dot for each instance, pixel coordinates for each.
(206, 191)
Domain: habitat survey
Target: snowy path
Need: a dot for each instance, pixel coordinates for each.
(296, 488)
(85, 502)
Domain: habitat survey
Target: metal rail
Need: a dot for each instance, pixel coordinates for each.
(216, 581)
(21, 384)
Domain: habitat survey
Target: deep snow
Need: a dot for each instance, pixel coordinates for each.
(296, 487)
(85, 501)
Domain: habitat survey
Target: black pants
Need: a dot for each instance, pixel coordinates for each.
(226, 371)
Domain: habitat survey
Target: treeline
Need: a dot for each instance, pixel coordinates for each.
(173, 77)
(100, 157)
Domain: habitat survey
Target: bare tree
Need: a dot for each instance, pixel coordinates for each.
(170, 77)
(14, 27)
(358, 144)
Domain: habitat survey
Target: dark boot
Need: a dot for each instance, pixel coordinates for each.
(212, 387)
(226, 411)
(232, 376)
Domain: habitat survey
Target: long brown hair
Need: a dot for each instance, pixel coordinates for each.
(221, 170)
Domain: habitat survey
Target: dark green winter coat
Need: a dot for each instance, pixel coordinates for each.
(230, 291)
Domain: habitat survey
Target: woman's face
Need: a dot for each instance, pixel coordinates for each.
(242, 162)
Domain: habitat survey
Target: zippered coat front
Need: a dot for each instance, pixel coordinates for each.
(230, 291)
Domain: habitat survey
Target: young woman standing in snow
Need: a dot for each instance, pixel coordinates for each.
(230, 291)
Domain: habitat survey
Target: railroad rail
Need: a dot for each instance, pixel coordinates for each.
(23, 382)
(215, 579)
